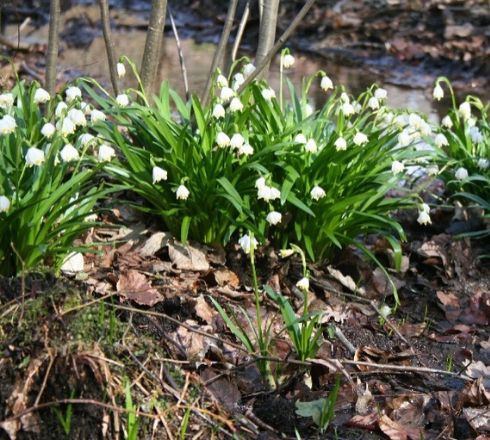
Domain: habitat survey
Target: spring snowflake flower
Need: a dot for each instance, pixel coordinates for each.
(380, 94)
(438, 92)
(348, 109)
(447, 121)
(247, 243)
(122, 100)
(311, 146)
(357, 107)
(97, 115)
(218, 111)
(475, 135)
(34, 156)
(158, 174)
(85, 107)
(221, 81)
(303, 284)
(182, 193)
(226, 94)
(317, 193)
(4, 204)
(360, 138)
(268, 94)
(404, 138)
(6, 100)
(274, 217)
(268, 193)
(300, 138)
(385, 311)
(236, 141)
(106, 153)
(415, 121)
(465, 110)
(245, 150)
(121, 70)
(236, 105)
(373, 103)
(397, 167)
(222, 139)
(288, 61)
(425, 129)
(72, 93)
(238, 80)
(48, 130)
(60, 108)
(461, 173)
(69, 153)
(326, 84)
(340, 144)
(483, 164)
(260, 183)
(424, 218)
(344, 97)
(248, 69)
(432, 170)
(85, 139)
(308, 109)
(67, 127)
(77, 117)
(41, 96)
(440, 140)
(425, 207)
(7, 125)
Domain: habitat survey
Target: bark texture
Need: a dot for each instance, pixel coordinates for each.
(267, 31)
(53, 45)
(109, 45)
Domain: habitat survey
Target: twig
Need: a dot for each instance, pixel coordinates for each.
(239, 32)
(109, 44)
(87, 304)
(4, 41)
(53, 45)
(45, 380)
(181, 54)
(344, 340)
(282, 39)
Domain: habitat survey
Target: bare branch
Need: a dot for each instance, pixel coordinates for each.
(109, 44)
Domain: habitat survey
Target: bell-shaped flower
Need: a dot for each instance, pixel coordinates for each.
(482, 163)
(106, 153)
(465, 110)
(97, 115)
(48, 130)
(274, 217)
(404, 138)
(380, 94)
(311, 146)
(226, 94)
(41, 96)
(222, 139)
(397, 167)
(4, 204)
(236, 105)
(288, 61)
(77, 117)
(438, 92)
(6, 100)
(221, 81)
(7, 125)
(245, 150)
(373, 103)
(247, 243)
(85, 139)
(182, 193)
(34, 156)
(158, 174)
(303, 284)
(340, 144)
(424, 218)
(475, 135)
(348, 109)
(268, 94)
(300, 138)
(69, 153)
(260, 183)
(72, 93)
(218, 111)
(236, 141)
(122, 100)
(360, 138)
(248, 69)
(60, 109)
(326, 83)
(461, 173)
(67, 127)
(238, 80)
(121, 70)
(447, 121)
(440, 140)
(317, 193)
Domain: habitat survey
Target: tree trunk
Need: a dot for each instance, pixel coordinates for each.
(53, 45)
(153, 45)
(109, 45)
(267, 30)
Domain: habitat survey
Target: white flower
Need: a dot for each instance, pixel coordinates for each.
(475, 135)
(260, 183)
(122, 100)
(236, 141)
(226, 94)
(424, 218)
(425, 207)
(308, 109)
(300, 138)
(77, 117)
(121, 70)
(440, 140)
(303, 284)
(311, 146)
(340, 144)
(41, 96)
(222, 139)
(425, 129)
(268, 94)
(326, 84)
(158, 174)
(182, 193)
(67, 127)
(465, 110)
(268, 193)
(373, 103)
(85, 139)
(97, 115)
(248, 69)
(360, 138)
(288, 61)
(404, 138)
(461, 173)
(48, 130)
(69, 153)
(246, 150)
(483, 164)
(357, 107)
(34, 156)
(415, 121)
(401, 120)
(348, 109)
(7, 125)
(6, 100)
(388, 118)
(385, 311)
(317, 193)
(85, 107)
(218, 111)
(60, 108)
(438, 93)
(344, 97)
(471, 122)
(72, 93)
(380, 94)
(236, 105)
(247, 243)
(432, 170)
(447, 121)
(221, 81)
(274, 217)
(106, 153)
(4, 204)
(238, 80)
(397, 167)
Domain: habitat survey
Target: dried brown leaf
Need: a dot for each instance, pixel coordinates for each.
(226, 277)
(204, 310)
(397, 431)
(134, 286)
(187, 257)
